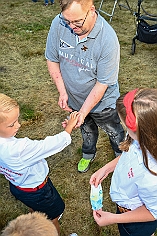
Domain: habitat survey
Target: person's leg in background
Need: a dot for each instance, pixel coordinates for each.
(46, 2)
(56, 224)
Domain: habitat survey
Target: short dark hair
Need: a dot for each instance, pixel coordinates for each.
(65, 4)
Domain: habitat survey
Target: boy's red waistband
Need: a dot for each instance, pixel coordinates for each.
(34, 189)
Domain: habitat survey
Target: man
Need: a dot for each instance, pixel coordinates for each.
(82, 53)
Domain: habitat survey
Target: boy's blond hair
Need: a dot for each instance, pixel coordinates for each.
(31, 224)
(7, 104)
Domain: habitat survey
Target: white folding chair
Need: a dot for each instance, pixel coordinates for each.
(114, 7)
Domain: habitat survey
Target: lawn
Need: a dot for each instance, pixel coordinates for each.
(24, 76)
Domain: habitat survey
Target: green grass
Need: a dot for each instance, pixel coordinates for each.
(28, 112)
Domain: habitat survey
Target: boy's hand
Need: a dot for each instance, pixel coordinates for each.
(71, 123)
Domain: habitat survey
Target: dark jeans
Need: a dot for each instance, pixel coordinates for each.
(46, 199)
(109, 121)
(47, 1)
(138, 228)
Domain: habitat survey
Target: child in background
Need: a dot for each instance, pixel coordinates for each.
(47, 2)
(134, 181)
(22, 161)
(31, 224)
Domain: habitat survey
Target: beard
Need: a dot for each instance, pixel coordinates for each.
(81, 32)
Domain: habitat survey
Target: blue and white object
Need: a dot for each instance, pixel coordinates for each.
(96, 197)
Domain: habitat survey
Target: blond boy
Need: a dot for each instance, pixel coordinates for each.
(35, 224)
(22, 161)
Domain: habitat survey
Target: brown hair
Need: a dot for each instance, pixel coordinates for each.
(65, 4)
(7, 104)
(144, 107)
(35, 224)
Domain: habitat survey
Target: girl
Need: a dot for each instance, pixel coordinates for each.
(134, 181)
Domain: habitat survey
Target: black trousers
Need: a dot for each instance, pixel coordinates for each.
(108, 120)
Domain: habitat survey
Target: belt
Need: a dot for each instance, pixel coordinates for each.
(34, 189)
(123, 209)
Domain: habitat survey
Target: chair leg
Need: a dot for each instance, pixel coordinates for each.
(126, 7)
(108, 14)
(133, 46)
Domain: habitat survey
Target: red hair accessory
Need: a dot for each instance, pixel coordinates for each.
(130, 117)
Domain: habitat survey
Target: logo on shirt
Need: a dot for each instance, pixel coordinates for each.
(64, 45)
(130, 173)
(84, 48)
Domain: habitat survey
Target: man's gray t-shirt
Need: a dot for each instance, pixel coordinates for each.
(83, 63)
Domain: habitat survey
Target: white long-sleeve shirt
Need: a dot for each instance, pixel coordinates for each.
(22, 160)
(132, 184)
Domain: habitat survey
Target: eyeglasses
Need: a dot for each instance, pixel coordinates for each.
(77, 23)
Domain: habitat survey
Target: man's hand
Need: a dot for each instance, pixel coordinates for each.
(63, 102)
(80, 120)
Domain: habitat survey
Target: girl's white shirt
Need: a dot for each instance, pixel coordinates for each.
(132, 184)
